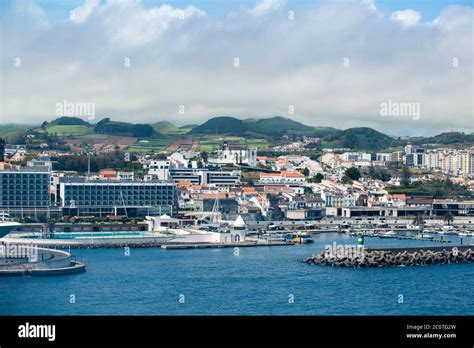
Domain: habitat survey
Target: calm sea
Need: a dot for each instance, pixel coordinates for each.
(254, 281)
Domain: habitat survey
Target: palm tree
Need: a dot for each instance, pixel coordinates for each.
(449, 218)
(419, 221)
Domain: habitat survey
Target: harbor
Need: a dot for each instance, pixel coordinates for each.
(252, 281)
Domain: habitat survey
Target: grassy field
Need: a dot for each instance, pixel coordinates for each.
(158, 145)
(73, 130)
(91, 136)
(165, 127)
(211, 143)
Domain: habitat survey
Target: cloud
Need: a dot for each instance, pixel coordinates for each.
(81, 13)
(335, 63)
(264, 7)
(406, 17)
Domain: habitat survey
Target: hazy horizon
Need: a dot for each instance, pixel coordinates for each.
(321, 63)
(244, 118)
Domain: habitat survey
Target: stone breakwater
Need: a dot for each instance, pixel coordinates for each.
(395, 258)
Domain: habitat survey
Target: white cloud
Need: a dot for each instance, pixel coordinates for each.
(406, 17)
(136, 25)
(81, 13)
(283, 62)
(263, 7)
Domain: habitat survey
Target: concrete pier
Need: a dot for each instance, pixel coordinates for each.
(227, 245)
(47, 262)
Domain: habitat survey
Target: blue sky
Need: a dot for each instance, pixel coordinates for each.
(429, 9)
(335, 64)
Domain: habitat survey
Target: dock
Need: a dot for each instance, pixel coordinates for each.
(227, 245)
(407, 238)
(52, 262)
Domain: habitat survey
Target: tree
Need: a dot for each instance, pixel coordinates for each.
(352, 173)
(371, 174)
(306, 172)
(204, 156)
(346, 180)
(318, 178)
(449, 218)
(418, 220)
(378, 174)
(405, 176)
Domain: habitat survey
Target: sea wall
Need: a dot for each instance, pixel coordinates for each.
(395, 257)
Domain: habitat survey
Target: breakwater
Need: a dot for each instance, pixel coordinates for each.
(33, 261)
(395, 257)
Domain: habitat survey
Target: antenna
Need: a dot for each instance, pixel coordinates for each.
(215, 209)
(123, 203)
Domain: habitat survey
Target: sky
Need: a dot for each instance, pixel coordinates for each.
(324, 63)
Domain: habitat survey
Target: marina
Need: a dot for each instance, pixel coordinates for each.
(254, 281)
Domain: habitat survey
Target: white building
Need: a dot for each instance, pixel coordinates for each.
(282, 178)
(355, 156)
(235, 155)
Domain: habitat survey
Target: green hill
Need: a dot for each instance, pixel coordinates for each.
(63, 130)
(221, 125)
(14, 136)
(447, 138)
(65, 126)
(106, 126)
(165, 127)
(270, 127)
(277, 125)
(66, 121)
(361, 138)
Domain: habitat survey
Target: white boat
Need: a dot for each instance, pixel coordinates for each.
(388, 234)
(6, 225)
(345, 228)
(465, 234)
(414, 228)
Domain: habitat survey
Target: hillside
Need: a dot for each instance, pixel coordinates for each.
(66, 121)
(13, 136)
(67, 126)
(277, 126)
(106, 126)
(165, 127)
(221, 125)
(361, 138)
(447, 138)
(271, 127)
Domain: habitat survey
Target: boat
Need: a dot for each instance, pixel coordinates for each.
(465, 234)
(426, 236)
(415, 228)
(299, 238)
(345, 228)
(6, 224)
(388, 234)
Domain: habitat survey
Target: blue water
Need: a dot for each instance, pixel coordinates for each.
(75, 235)
(259, 281)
